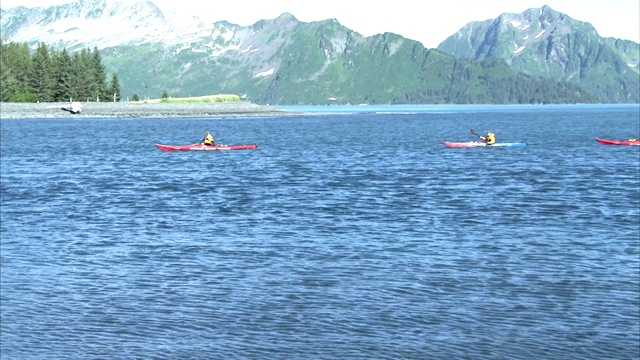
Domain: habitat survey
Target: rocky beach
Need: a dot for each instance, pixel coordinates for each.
(128, 109)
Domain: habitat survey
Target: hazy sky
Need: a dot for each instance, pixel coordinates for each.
(427, 22)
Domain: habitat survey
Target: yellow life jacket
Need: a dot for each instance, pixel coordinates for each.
(489, 139)
(208, 140)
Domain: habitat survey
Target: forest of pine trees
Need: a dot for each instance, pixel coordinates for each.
(48, 75)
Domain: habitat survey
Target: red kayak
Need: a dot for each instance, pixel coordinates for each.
(200, 147)
(619, 142)
(480, 144)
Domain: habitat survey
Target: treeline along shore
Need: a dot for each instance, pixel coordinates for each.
(133, 110)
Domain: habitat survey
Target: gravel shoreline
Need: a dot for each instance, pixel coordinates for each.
(125, 110)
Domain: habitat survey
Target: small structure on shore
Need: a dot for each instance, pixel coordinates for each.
(74, 107)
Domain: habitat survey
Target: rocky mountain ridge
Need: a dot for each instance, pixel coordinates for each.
(284, 60)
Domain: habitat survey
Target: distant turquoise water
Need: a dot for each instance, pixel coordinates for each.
(448, 108)
(351, 235)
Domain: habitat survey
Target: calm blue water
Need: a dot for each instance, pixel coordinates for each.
(354, 235)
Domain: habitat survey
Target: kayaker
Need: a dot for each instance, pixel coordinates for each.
(208, 139)
(490, 138)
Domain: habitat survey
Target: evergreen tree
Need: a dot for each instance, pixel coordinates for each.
(42, 76)
(114, 88)
(98, 77)
(8, 82)
(78, 79)
(62, 62)
(50, 75)
(22, 67)
(18, 59)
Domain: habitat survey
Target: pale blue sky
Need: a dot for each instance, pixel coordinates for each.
(429, 23)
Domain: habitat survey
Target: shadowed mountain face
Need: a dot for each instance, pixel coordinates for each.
(539, 56)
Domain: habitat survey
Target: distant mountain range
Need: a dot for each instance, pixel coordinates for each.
(539, 56)
(544, 42)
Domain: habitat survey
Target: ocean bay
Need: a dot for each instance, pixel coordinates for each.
(355, 234)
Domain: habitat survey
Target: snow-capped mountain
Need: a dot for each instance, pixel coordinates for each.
(544, 42)
(286, 61)
(102, 24)
(510, 36)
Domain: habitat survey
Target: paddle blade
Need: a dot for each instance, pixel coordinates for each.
(474, 132)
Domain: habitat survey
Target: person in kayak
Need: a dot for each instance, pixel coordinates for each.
(208, 139)
(490, 138)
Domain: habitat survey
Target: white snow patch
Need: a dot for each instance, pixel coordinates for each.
(519, 25)
(248, 49)
(110, 30)
(179, 50)
(393, 47)
(226, 34)
(265, 73)
(540, 33)
(219, 50)
(519, 49)
(525, 37)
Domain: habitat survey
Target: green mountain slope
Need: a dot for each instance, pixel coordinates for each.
(548, 44)
(284, 61)
(536, 57)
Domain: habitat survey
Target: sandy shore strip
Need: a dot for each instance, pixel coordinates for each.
(133, 110)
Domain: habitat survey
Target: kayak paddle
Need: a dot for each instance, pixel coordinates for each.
(474, 133)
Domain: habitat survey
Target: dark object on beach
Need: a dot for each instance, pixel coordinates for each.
(74, 108)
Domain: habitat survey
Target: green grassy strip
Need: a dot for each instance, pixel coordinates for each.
(198, 99)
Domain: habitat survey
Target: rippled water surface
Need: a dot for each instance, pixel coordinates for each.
(353, 235)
